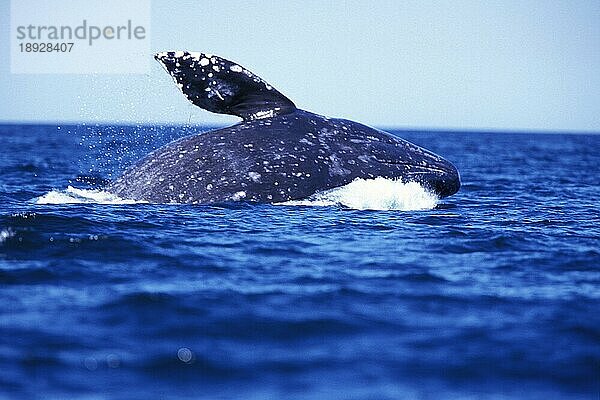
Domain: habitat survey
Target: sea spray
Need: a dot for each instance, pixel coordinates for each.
(73, 195)
(374, 194)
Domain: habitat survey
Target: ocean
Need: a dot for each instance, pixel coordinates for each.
(376, 290)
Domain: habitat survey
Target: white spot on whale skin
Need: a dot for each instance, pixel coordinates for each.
(236, 68)
(204, 62)
(255, 176)
(262, 114)
(238, 196)
(209, 186)
(179, 53)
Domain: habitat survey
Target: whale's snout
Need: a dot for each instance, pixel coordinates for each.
(414, 163)
(439, 175)
(444, 183)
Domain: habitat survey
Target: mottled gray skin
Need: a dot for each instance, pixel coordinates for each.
(286, 155)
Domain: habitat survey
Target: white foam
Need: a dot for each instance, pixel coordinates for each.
(374, 194)
(73, 195)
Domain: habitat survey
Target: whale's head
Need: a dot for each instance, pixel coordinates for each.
(441, 177)
(415, 164)
(433, 172)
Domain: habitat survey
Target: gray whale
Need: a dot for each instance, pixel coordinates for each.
(276, 153)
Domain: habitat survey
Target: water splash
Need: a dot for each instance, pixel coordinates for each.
(73, 196)
(374, 194)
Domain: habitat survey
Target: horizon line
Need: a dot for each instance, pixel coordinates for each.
(381, 127)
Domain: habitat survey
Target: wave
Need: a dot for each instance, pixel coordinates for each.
(374, 194)
(73, 195)
(360, 194)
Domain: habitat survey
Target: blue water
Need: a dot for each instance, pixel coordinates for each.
(494, 293)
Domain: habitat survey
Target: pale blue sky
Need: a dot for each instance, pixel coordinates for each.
(519, 65)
